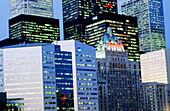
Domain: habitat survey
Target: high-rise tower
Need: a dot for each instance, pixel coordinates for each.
(42, 8)
(120, 75)
(34, 29)
(155, 66)
(73, 9)
(150, 22)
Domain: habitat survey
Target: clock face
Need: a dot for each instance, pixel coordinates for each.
(79, 49)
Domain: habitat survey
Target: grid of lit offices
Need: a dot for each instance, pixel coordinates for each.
(34, 29)
(37, 8)
(86, 8)
(123, 27)
(150, 23)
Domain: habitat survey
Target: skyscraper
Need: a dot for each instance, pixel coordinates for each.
(42, 8)
(123, 27)
(44, 76)
(84, 75)
(74, 9)
(155, 66)
(150, 22)
(34, 29)
(75, 30)
(64, 80)
(29, 76)
(121, 75)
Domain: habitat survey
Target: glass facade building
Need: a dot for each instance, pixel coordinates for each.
(75, 30)
(85, 89)
(79, 11)
(74, 9)
(150, 22)
(34, 29)
(123, 27)
(64, 80)
(29, 76)
(42, 8)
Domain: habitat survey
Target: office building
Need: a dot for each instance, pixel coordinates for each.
(34, 29)
(64, 80)
(3, 101)
(155, 66)
(60, 76)
(84, 77)
(75, 9)
(121, 75)
(29, 76)
(42, 8)
(75, 30)
(155, 97)
(150, 22)
(123, 27)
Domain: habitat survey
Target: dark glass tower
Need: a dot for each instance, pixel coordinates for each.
(74, 9)
(75, 30)
(75, 12)
(34, 29)
(64, 80)
(123, 27)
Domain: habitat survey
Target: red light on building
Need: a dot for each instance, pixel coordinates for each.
(108, 5)
(64, 98)
(118, 45)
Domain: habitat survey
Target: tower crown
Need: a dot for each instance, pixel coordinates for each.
(110, 42)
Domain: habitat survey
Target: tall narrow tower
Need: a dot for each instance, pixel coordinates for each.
(42, 8)
(150, 22)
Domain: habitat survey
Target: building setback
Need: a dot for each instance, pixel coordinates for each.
(31, 7)
(85, 89)
(155, 66)
(34, 29)
(75, 9)
(121, 75)
(150, 22)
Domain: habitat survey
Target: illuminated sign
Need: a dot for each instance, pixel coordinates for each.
(109, 5)
(79, 49)
(118, 45)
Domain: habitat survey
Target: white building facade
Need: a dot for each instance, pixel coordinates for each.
(42, 8)
(84, 74)
(29, 77)
(155, 66)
